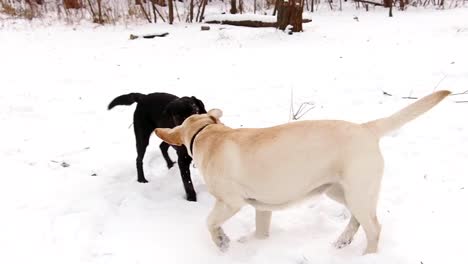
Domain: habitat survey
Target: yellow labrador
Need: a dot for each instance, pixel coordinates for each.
(272, 168)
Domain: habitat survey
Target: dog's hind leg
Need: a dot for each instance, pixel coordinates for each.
(370, 224)
(164, 148)
(220, 214)
(363, 204)
(336, 193)
(184, 161)
(142, 135)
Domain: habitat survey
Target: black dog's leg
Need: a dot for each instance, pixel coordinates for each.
(184, 161)
(142, 135)
(164, 148)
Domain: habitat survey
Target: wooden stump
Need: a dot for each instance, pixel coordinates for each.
(290, 13)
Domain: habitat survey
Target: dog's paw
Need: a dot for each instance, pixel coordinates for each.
(170, 165)
(261, 235)
(192, 197)
(342, 242)
(142, 180)
(222, 241)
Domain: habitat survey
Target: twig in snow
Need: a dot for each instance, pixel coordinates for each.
(461, 102)
(63, 163)
(385, 93)
(465, 92)
(303, 109)
(445, 76)
(403, 97)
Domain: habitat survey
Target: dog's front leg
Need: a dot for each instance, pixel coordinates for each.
(184, 161)
(262, 224)
(220, 214)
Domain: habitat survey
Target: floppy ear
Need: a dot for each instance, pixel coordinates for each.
(216, 113)
(169, 135)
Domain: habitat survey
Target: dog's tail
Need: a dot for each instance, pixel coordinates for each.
(385, 125)
(126, 99)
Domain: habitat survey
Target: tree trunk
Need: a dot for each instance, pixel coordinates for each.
(171, 11)
(141, 6)
(387, 3)
(191, 11)
(290, 13)
(101, 21)
(205, 2)
(390, 12)
(91, 8)
(233, 7)
(154, 12)
(277, 2)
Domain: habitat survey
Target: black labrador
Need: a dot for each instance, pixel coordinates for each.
(161, 110)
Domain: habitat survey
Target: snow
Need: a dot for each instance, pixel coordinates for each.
(56, 81)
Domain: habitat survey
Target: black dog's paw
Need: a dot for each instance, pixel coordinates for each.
(192, 197)
(142, 180)
(170, 165)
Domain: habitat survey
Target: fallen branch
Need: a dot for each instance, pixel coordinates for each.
(459, 102)
(245, 23)
(249, 23)
(369, 2)
(148, 35)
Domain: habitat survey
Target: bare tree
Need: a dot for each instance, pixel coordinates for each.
(171, 11)
(205, 2)
(390, 11)
(190, 16)
(101, 21)
(290, 13)
(233, 7)
(138, 2)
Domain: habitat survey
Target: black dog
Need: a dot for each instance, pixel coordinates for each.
(161, 110)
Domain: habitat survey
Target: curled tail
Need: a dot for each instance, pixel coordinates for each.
(126, 99)
(387, 124)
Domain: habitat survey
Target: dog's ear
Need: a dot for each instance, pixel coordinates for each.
(216, 113)
(169, 135)
(200, 105)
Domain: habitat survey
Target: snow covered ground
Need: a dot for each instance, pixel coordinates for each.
(56, 82)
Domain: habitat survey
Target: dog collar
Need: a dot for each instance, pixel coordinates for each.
(195, 135)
